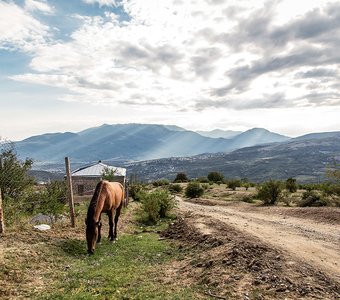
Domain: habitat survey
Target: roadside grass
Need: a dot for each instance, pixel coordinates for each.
(127, 269)
(54, 265)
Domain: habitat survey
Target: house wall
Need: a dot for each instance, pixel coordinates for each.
(85, 186)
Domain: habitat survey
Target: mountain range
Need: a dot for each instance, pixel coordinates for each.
(305, 158)
(156, 151)
(135, 142)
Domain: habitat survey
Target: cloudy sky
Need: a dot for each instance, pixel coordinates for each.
(200, 64)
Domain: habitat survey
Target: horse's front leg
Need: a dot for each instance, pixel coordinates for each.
(110, 215)
(116, 220)
(99, 232)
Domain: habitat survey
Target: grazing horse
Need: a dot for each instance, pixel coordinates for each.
(107, 198)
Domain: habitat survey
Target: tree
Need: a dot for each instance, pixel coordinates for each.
(291, 185)
(109, 174)
(181, 177)
(52, 200)
(14, 178)
(215, 176)
(194, 190)
(270, 192)
(233, 184)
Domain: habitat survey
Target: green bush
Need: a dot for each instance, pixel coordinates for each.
(161, 182)
(156, 204)
(175, 188)
(181, 177)
(205, 186)
(248, 199)
(53, 199)
(233, 184)
(312, 198)
(291, 185)
(202, 179)
(134, 191)
(194, 190)
(270, 192)
(215, 177)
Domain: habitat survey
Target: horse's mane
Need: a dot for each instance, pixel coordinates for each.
(92, 207)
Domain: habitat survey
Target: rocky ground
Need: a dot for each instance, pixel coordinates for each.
(238, 251)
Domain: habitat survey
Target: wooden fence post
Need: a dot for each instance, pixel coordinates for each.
(70, 191)
(2, 221)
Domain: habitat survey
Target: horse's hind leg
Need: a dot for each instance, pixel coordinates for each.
(116, 220)
(110, 215)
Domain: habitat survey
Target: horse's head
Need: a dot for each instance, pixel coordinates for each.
(92, 228)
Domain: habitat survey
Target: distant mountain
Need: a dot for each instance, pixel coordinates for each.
(303, 159)
(319, 135)
(256, 136)
(219, 133)
(134, 142)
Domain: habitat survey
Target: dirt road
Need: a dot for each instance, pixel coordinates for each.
(315, 243)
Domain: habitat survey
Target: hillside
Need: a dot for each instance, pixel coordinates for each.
(304, 159)
(218, 133)
(134, 142)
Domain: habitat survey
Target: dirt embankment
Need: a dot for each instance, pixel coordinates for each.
(243, 253)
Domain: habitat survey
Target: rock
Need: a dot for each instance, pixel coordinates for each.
(40, 218)
(42, 227)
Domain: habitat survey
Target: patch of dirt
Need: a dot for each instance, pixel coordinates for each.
(230, 264)
(329, 215)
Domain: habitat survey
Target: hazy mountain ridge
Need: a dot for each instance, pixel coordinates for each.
(134, 142)
(305, 159)
(219, 133)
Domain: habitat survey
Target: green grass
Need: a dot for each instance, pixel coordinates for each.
(55, 265)
(131, 268)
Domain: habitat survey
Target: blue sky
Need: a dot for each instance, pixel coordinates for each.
(200, 64)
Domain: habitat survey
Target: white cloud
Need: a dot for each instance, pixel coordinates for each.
(195, 54)
(19, 30)
(102, 2)
(42, 6)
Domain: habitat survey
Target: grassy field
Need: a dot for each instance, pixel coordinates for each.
(54, 264)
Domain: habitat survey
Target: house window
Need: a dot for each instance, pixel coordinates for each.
(80, 189)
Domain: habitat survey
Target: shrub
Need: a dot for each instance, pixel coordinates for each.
(233, 184)
(150, 207)
(175, 188)
(270, 192)
(134, 191)
(181, 177)
(166, 201)
(312, 198)
(291, 185)
(205, 186)
(215, 177)
(194, 190)
(161, 182)
(246, 185)
(53, 199)
(202, 179)
(248, 198)
(156, 204)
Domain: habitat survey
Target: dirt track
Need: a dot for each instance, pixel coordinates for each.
(313, 242)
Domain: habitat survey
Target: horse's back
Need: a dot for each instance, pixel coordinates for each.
(116, 192)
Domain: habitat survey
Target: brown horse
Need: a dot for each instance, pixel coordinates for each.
(107, 198)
